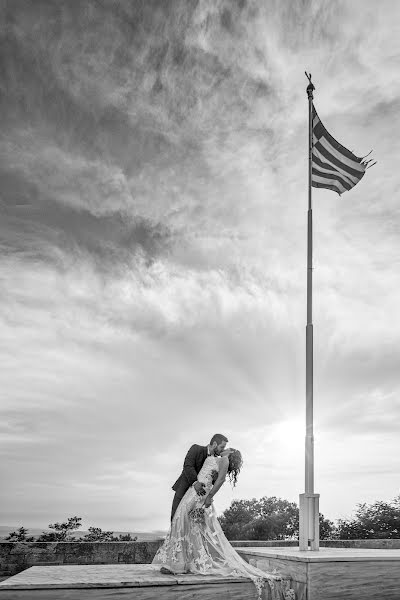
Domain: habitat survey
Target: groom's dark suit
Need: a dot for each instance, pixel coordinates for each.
(193, 462)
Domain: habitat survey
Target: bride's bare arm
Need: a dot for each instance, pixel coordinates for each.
(223, 469)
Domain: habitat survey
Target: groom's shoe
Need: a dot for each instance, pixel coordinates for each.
(166, 571)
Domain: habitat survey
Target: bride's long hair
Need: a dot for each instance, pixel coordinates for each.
(235, 464)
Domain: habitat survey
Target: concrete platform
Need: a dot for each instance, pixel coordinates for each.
(136, 582)
(334, 573)
(330, 574)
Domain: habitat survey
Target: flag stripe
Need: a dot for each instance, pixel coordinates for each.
(326, 186)
(328, 157)
(317, 179)
(331, 177)
(318, 160)
(355, 165)
(320, 131)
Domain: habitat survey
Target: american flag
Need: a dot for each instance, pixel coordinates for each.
(333, 166)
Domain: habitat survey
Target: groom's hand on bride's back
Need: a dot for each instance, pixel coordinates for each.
(199, 487)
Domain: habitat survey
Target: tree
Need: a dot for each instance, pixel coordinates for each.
(62, 531)
(97, 535)
(269, 518)
(237, 517)
(276, 519)
(327, 528)
(377, 520)
(126, 537)
(19, 536)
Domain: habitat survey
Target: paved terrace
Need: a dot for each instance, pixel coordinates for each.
(63, 570)
(120, 582)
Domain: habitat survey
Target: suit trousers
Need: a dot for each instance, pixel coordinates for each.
(175, 503)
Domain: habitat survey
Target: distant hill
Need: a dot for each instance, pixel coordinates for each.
(36, 531)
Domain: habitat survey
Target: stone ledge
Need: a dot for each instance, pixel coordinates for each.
(264, 543)
(18, 556)
(333, 573)
(375, 544)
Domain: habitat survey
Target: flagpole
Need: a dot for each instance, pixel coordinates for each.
(309, 458)
(309, 501)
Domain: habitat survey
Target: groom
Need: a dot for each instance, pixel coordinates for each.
(191, 467)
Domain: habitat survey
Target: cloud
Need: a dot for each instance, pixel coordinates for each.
(153, 251)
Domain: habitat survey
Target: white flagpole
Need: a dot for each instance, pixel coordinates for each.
(309, 501)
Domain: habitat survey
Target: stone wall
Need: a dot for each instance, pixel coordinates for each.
(17, 556)
(263, 543)
(376, 544)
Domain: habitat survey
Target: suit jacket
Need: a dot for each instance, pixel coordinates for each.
(193, 462)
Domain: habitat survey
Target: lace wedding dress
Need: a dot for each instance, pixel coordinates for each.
(196, 543)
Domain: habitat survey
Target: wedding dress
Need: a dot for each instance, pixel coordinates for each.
(196, 543)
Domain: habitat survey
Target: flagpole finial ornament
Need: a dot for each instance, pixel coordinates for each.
(310, 87)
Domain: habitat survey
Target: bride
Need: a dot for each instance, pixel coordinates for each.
(195, 542)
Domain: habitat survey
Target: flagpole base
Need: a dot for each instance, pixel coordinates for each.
(309, 522)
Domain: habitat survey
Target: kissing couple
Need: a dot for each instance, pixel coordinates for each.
(195, 542)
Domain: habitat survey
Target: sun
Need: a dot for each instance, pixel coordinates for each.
(290, 435)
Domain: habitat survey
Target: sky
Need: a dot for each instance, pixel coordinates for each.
(153, 229)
